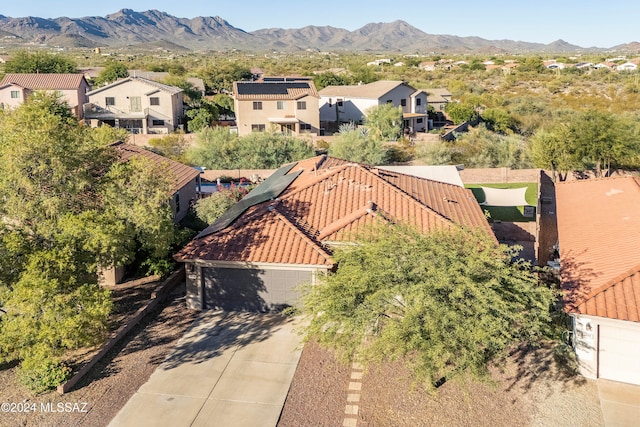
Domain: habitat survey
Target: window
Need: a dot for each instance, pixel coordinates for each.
(177, 201)
(109, 100)
(136, 104)
(339, 102)
(403, 102)
(418, 101)
(154, 100)
(281, 105)
(389, 101)
(419, 120)
(155, 122)
(15, 94)
(305, 127)
(257, 105)
(301, 105)
(257, 128)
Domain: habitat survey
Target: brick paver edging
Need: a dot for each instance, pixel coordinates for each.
(157, 295)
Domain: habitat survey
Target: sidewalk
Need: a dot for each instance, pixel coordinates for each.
(230, 369)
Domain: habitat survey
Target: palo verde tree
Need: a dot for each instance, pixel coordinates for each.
(447, 302)
(587, 140)
(356, 145)
(69, 208)
(217, 148)
(384, 122)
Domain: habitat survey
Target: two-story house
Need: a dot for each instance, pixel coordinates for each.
(137, 104)
(343, 104)
(15, 88)
(288, 105)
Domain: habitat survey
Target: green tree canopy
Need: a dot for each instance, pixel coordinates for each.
(449, 302)
(69, 208)
(217, 148)
(384, 122)
(39, 62)
(113, 71)
(325, 79)
(355, 144)
(588, 140)
(460, 112)
(208, 209)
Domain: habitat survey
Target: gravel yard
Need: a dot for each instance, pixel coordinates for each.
(529, 390)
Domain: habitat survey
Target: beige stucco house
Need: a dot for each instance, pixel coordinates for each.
(288, 105)
(350, 103)
(15, 88)
(137, 104)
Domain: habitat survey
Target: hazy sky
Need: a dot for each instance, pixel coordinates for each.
(584, 23)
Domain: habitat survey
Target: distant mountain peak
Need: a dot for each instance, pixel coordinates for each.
(127, 27)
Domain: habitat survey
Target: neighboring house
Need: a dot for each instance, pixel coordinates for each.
(137, 104)
(627, 66)
(282, 234)
(343, 104)
(15, 88)
(184, 192)
(599, 245)
(438, 98)
(287, 105)
(186, 179)
(160, 76)
(428, 65)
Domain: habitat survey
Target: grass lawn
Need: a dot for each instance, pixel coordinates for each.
(507, 213)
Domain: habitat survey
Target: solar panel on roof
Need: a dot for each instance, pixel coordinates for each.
(269, 189)
(274, 88)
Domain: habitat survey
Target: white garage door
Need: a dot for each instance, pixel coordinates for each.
(620, 354)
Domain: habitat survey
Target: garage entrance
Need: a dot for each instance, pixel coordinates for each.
(619, 353)
(245, 289)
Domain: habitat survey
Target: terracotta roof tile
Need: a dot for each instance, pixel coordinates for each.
(598, 229)
(44, 81)
(182, 173)
(328, 202)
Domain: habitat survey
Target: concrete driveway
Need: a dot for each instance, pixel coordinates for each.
(620, 403)
(230, 369)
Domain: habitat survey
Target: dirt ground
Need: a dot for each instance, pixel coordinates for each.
(529, 390)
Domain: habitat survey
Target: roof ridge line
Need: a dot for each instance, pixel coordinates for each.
(319, 178)
(407, 195)
(349, 218)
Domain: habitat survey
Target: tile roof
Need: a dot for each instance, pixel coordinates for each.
(44, 81)
(373, 90)
(329, 201)
(598, 232)
(274, 90)
(152, 83)
(182, 174)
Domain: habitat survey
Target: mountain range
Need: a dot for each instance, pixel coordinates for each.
(159, 29)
